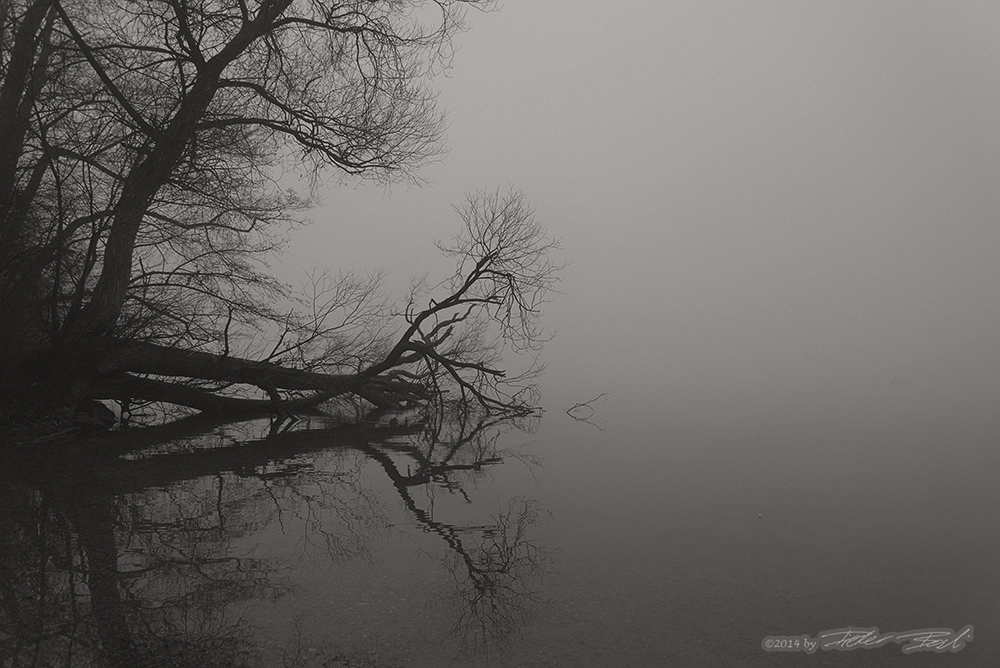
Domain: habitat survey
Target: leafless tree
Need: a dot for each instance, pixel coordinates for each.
(142, 144)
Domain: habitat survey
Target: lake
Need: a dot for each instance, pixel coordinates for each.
(679, 536)
(779, 224)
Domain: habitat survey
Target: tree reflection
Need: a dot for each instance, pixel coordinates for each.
(496, 578)
(495, 567)
(146, 554)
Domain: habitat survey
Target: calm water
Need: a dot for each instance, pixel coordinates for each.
(676, 536)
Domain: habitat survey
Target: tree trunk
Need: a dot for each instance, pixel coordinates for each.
(142, 184)
(16, 97)
(94, 524)
(106, 368)
(22, 80)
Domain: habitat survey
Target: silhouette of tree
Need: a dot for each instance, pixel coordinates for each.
(142, 145)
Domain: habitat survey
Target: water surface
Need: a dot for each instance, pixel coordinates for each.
(681, 536)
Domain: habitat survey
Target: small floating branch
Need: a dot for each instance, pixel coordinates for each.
(585, 411)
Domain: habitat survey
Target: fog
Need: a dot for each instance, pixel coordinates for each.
(764, 206)
(779, 221)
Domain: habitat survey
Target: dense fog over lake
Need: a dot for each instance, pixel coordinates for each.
(759, 202)
(779, 322)
(781, 224)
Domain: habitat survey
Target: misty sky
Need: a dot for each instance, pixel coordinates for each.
(760, 202)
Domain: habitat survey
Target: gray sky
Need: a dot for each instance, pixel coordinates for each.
(762, 203)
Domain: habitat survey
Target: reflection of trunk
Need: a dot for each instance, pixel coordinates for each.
(119, 476)
(9, 603)
(94, 523)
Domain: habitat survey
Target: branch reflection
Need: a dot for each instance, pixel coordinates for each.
(146, 554)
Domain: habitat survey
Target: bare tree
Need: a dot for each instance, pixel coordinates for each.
(141, 148)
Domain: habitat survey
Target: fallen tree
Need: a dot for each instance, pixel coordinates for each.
(453, 344)
(140, 147)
